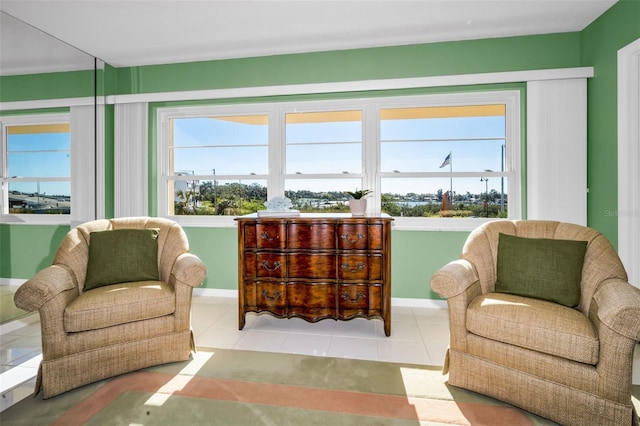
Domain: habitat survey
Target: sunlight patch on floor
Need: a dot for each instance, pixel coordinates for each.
(180, 380)
(420, 382)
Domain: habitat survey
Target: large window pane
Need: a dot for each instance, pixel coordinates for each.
(324, 142)
(220, 145)
(36, 151)
(212, 159)
(38, 168)
(447, 141)
(419, 139)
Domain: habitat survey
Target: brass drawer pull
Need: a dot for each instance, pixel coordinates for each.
(265, 236)
(359, 267)
(350, 238)
(359, 296)
(276, 265)
(276, 295)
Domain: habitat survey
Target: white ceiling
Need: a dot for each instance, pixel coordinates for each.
(145, 32)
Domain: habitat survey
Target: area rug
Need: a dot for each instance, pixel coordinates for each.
(233, 387)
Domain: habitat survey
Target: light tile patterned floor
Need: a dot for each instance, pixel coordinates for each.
(419, 335)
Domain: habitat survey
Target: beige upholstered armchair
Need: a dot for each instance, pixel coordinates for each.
(137, 312)
(571, 364)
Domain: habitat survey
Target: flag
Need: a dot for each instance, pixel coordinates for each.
(446, 161)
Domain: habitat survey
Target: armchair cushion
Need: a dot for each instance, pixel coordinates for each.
(122, 255)
(539, 325)
(542, 268)
(116, 304)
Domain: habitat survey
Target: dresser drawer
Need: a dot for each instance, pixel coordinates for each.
(376, 237)
(270, 236)
(353, 297)
(359, 267)
(263, 294)
(353, 236)
(269, 265)
(248, 233)
(358, 300)
(271, 295)
(319, 236)
(248, 290)
(311, 295)
(312, 266)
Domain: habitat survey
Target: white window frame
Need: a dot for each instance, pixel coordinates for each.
(513, 166)
(29, 120)
(326, 106)
(164, 115)
(371, 175)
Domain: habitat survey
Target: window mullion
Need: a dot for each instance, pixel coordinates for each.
(277, 160)
(371, 155)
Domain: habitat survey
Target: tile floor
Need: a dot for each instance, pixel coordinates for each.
(419, 335)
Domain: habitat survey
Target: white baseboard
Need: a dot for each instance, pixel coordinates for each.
(12, 282)
(215, 292)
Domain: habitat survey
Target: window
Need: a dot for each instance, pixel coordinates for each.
(217, 165)
(454, 155)
(323, 158)
(428, 160)
(36, 165)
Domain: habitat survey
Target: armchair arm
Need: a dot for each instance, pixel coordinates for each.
(188, 269)
(44, 286)
(619, 307)
(458, 283)
(454, 278)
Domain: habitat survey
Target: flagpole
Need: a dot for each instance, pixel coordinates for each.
(449, 160)
(451, 179)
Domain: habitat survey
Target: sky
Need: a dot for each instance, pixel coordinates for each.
(206, 146)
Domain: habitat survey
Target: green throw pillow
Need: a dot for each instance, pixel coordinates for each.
(122, 255)
(542, 268)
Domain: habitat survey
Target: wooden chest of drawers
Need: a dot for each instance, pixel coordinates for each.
(315, 267)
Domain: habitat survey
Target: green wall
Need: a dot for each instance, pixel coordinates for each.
(25, 249)
(55, 85)
(416, 255)
(600, 44)
(465, 57)
(218, 249)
